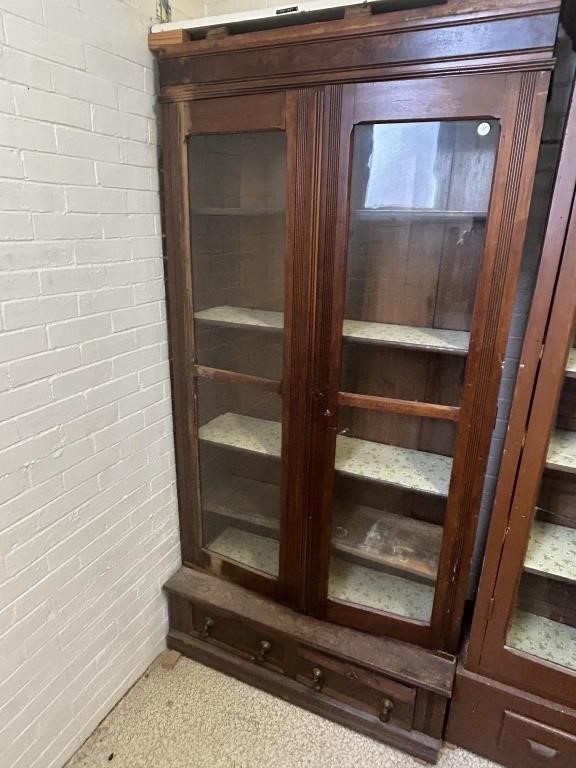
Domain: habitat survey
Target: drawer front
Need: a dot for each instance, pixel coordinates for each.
(386, 699)
(535, 745)
(260, 647)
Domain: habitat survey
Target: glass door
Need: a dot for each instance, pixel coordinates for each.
(238, 188)
(420, 193)
(415, 338)
(237, 220)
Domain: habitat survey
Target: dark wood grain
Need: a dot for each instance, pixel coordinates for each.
(306, 114)
(215, 374)
(408, 664)
(391, 405)
(518, 730)
(453, 37)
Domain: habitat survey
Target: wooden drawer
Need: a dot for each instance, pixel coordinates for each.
(260, 647)
(536, 745)
(361, 688)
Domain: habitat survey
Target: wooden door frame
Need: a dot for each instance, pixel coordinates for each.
(540, 380)
(517, 100)
(280, 110)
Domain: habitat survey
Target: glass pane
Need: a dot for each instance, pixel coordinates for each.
(544, 621)
(419, 201)
(237, 210)
(418, 209)
(401, 373)
(240, 435)
(392, 479)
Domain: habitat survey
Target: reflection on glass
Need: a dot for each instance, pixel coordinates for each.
(418, 208)
(240, 435)
(544, 622)
(419, 200)
(237, 210)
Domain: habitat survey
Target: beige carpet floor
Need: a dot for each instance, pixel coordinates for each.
(193, 717)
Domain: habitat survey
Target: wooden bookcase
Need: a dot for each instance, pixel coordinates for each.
(345, 211)
(518, 674)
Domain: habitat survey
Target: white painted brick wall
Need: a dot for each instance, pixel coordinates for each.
(88, 520)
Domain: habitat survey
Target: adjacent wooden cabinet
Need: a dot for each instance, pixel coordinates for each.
(519, 672)
(345, 210)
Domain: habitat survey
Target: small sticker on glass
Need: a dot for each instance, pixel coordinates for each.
(483, 129)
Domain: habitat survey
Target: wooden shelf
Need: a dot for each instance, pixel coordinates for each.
(348, 581)
(408, 337)
(257, 552)
(356, 584)
(562, 451)
(401, 467)
(245, 433)
(404, 336)
(393, 542)
(245, 500)
(241, 317)
(409, 214)
(543, 638)
(207, 211)
(375, 537)
(571, 364)
(552, 551)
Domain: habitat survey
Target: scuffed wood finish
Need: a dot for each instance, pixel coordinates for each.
(394, 542)
(450, 38)
(407, 664)
(518, 730)
(371, 536)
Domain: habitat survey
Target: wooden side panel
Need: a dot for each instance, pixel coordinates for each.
(517, 730)
(180, 319)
